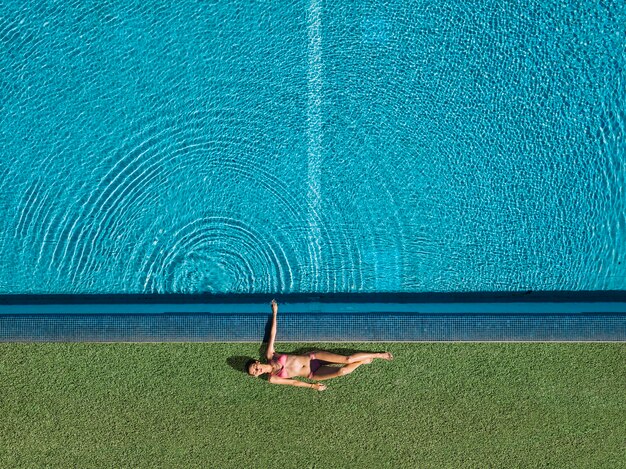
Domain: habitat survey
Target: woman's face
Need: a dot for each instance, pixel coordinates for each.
(256, 368)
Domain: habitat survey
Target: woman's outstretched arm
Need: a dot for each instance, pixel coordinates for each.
(295, 382)
(270, 347)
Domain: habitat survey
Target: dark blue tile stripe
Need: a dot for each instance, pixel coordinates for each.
(316, 327)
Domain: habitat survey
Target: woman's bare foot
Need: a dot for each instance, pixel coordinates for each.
(387, 356)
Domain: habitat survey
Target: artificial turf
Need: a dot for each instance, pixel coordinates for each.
(435, 405)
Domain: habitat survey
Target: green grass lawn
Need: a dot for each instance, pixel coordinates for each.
(435, 405)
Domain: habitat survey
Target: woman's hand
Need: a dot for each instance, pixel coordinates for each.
(274, 306)
(319, 386)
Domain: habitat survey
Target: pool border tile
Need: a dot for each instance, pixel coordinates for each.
(373, 318)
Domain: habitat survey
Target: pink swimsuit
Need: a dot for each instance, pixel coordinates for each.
(315, 364)
(281, 360)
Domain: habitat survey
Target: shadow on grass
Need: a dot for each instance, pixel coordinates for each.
(239, 363)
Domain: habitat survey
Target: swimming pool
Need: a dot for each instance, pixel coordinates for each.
(312, 146)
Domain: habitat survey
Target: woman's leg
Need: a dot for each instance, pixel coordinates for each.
(357, 357)
(328, 372)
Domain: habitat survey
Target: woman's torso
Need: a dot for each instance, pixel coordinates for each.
(291, 366)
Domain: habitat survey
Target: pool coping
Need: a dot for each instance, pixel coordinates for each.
(526, 296)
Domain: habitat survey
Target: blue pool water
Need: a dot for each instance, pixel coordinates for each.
(312, 146)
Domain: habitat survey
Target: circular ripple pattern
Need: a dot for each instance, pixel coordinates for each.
(312, 147)
(218, 255)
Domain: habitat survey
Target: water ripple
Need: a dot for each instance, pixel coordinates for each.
(95, 233)
(218, 255)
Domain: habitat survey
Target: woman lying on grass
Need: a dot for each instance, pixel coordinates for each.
(282, 368)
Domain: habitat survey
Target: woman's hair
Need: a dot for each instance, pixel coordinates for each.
(249, 363)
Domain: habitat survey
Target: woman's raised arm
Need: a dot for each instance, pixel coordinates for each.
(270, 346)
